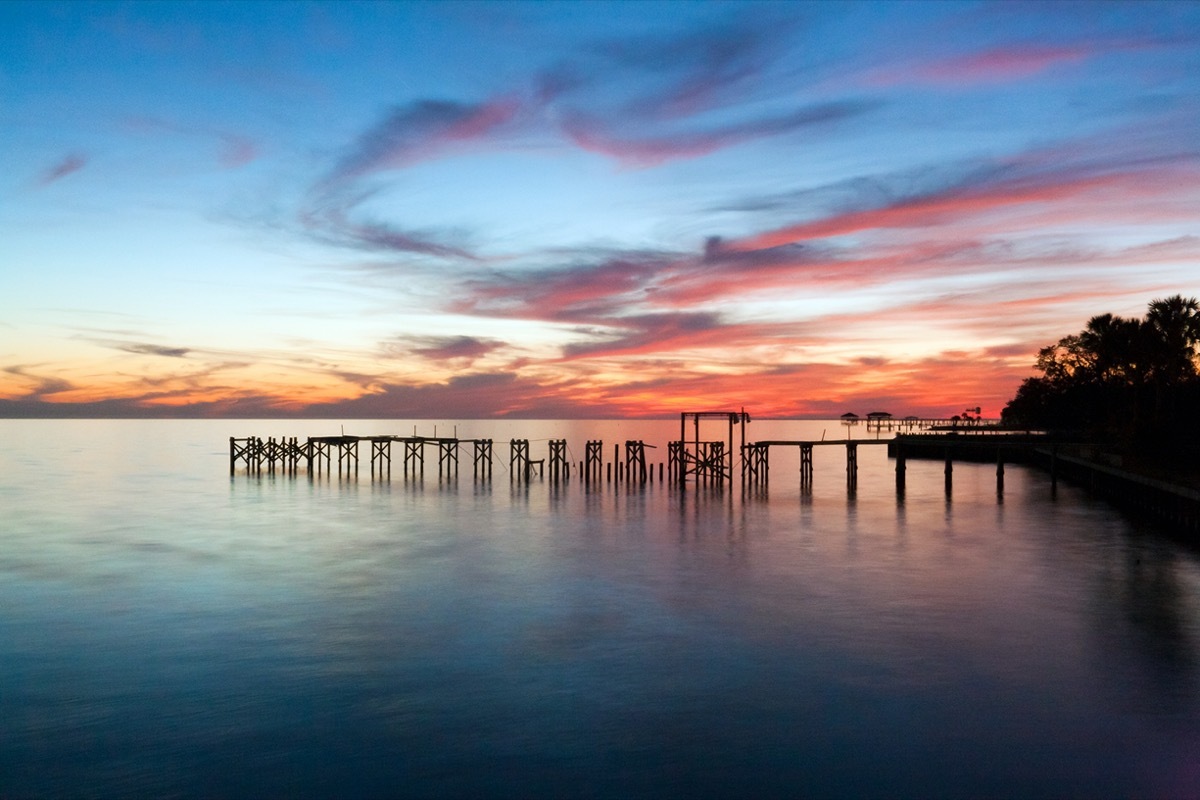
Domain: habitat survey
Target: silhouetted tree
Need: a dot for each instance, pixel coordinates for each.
(1128, 380)
(1174, 330)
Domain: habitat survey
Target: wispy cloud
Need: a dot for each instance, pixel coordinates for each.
(993, 65)
(141, 348)
(332, 208)
(67, 165)
(587, 290)
(233, 149)
(42, 387)
(684, 73)
(329, 220)
(1051, 178)
(652, 150)
(418, 131)
(453, 349)
(686, 94)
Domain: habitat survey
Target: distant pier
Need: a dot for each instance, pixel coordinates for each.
(699, 458)
(696, 457)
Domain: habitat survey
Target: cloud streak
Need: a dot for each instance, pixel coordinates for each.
(648, 151)
(419, 131)
(67, 165)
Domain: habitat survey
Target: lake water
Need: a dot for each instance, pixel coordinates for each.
(167, 630)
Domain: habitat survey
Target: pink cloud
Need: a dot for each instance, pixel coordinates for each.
(648, 150)
(935, 209)
(998, 64)
(237, 151)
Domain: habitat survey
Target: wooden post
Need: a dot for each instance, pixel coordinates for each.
(900, 466)
(949, 470)
(1054, 468)
(852, 465)
(1000, 471)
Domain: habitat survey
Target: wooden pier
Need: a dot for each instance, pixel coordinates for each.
(756, 459)
(707, 461)
(691, 458)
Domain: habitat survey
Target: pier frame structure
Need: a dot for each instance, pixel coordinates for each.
(560, 468)
(708, 461)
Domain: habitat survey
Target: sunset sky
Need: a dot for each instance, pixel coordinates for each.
(464, 210)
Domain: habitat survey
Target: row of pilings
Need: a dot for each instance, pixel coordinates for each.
(1168, 504)
(706, 462)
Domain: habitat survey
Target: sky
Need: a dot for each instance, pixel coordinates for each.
(580, 210)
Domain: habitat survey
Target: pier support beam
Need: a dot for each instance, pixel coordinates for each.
(755, 464)
(447, 457)
(518, 459)
(348, 455)
(675, 470)
(806, 466)
(635, 460)
(559, 468)
(481, 463)
(381, 452)
(414, 454)
(593, 463)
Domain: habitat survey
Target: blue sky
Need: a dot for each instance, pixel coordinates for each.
(457, 210)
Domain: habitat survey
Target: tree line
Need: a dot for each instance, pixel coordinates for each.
(1131, 382)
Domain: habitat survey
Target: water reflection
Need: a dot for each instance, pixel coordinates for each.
(293, 636)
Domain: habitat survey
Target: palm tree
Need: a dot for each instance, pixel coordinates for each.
(1116, 347)
(1175, 326)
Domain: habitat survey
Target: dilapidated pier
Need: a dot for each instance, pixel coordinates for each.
(699, 458)
(696, 457)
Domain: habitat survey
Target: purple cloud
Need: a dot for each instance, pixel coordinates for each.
(441, 348)
(153, 350)
(421, 130)
(70, 163)
(42, 385)
(651, 150)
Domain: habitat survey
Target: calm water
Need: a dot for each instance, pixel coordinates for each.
(168, 630)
